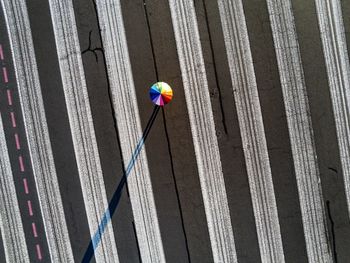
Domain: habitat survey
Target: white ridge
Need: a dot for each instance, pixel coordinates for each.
(252, 130)
(203, 130)
(82, 127)
(300, 130)
(337, 63)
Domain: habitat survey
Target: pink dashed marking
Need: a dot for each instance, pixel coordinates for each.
(35, 233)
(1, 53)
(25, 183)
(9, 97)
(21, 164)
(13, 119)
(4, 72)
(38, 252)
(18, 145)
(30, 209)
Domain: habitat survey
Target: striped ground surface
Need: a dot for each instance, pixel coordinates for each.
(250, 162)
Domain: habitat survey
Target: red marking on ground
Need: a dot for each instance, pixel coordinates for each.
(5, 75)
(25, 183)
(20, 158)
(21, 164)
(38, 252)
(1, 53)
(18, 145)
(35, 233)
(9, 97)
(13, 119)
(30, 209)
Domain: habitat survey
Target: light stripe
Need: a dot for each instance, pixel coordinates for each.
(337, 62)
(37, 131)
(81, 123)
(300, 130)
(203, 130)
(10, 218)
(129, 127)
(252, 130)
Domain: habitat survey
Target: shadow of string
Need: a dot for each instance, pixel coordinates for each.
(112, 207)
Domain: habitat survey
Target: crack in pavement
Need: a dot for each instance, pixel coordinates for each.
(109, 90)
(223, 117)
(333, 231)
(93, 50)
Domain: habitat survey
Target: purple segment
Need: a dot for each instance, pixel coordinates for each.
(160, 101)
(155, 99)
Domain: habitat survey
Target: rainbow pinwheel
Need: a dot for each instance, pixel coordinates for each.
(161, 93)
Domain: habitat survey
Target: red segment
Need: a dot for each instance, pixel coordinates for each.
(4, 72)
(35, 233)
(9, 97)
(26, 189)
(13, 119)
(38, 252)
(167, 98)
(30, 209)
(21, 164)
(1, 53)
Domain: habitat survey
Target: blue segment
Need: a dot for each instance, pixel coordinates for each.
(154, 93)
(156, 88)
(117, 194)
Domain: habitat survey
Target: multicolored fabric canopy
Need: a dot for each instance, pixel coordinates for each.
(161, 93)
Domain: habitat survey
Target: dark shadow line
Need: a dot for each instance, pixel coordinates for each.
(138, 245)
(89, 46)
(151, 39)
(167, 137)
(333, 231)
(176, 187)
(109, 85)
(215, 68)
(113, 204)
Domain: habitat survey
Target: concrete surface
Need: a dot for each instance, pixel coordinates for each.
(175, 174)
